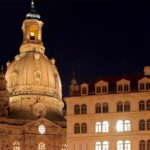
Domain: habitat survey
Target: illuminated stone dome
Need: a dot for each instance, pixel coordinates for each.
(32, 79)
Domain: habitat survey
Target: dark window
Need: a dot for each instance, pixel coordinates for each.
(148, 105)
(142, 145)
(120, 88)
(83, 128)
(142, 125)
(98, 108)
(127, 106)
(147, 86)
(84, 90)
(141, 86)
(98, 89)
(77, 128)
(141, 105)
(148, 124)
(105, 108)
(119, 107)
(76, 109)
(83, 109)
(148, 145)
(126, 87)
(104, 89)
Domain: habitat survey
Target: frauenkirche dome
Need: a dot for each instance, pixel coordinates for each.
(32, 79)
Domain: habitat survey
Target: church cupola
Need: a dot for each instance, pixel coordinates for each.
(32, 32)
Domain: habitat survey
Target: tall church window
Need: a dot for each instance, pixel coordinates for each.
(142, 125)
(98, 108)
(83, 109)
(98, 146)
(105, 108)
(98, 127)
(77, 128)
(120, 145)
(77, 109)
(105, 145)
(16, 145)
(127, 106)
(105, 126)
(141, 105)
(119, 107)
(148, 145)
(142, 145)
(148, 124)
(83, 128)
(148, 105)
(41, 146)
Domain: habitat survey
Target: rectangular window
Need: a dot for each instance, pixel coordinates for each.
(98, 89)
(104, 89)
(84, 90)
(142, 86)
(126, 88)
(147, 86)
(120, 88)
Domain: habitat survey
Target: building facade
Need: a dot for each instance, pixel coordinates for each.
(111, 113)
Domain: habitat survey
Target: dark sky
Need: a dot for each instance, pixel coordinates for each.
(90, 37)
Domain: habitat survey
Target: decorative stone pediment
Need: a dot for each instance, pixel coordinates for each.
(144, 80)
(123, 81)
(101, 82)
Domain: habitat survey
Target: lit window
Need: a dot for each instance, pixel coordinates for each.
(119, 126)
(42, 129)
(77, 128)
(141, 105)
(105, 126)
(83, 109)
(127, 145)
(148, 124)
(105, 108)
(32, 36)
(142, 87)
(142, 145)
(105, 145)
(127, 106)
(148, 105)
(98, 146)
(98, 108)
(76, 109)
(98, 127)
(16, 145)
(64, 147)
(83, 128)
(142, 125)
(119, 107)
(127, 125)
(120, 145)
(147, 86)
(41, 146)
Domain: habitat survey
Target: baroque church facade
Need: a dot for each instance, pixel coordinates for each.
(110, 113)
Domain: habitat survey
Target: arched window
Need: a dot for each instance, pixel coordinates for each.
(105, 126)
(105, 108)
(142, 125)
(141, 105)
(119, 107)
(41, 146)
(148, 145)
(119, 126)
(83, 109)
(127, 145)
(127, 106)
(98, 127)
(98, 146)
(64, 147)
(142, 145)
(16, 145)
(77, 128)
(105, 145)
(98, 108)
(148, 124)
(148, 105)
(120, 145)
(127, 125)
(76, 109)
(83, 128)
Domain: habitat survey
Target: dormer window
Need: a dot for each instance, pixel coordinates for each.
(147, 86)
(84, 89)
(144, 84)
(120, 89)
(126, 88)
(123, 86)
(101, 87)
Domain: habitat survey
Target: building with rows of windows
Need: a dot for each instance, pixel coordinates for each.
(111, 113)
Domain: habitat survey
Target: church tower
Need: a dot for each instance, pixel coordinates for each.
(32, 78)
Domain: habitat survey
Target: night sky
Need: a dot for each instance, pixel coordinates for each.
(92, 38)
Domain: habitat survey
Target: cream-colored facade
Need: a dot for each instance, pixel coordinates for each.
(110, 114)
